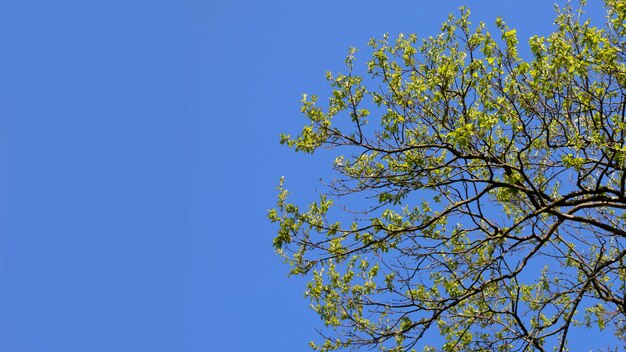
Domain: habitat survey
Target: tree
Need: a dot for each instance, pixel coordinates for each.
(484, 193)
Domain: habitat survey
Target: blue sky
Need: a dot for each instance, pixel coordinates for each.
(139, 154)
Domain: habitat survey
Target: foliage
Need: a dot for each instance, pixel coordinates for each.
(491, 190)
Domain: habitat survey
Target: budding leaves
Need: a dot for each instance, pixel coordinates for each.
(461, 168)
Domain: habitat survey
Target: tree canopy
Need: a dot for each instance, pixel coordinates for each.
(484, 191)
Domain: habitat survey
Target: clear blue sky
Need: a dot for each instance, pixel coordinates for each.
(139, 154)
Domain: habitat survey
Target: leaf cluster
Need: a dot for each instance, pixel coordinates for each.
(493, 188)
